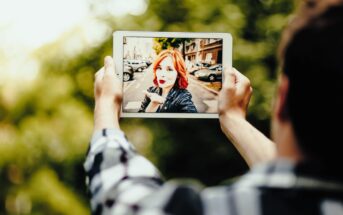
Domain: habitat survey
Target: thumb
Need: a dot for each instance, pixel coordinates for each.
(147, 93)
(99, 75)
(109, 66)
(229, 78)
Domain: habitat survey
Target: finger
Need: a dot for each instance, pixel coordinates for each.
(147, 93)
(162, 100)
(109, 66)
(99, 74)
(229, 78)
(248, 97)
(243, 84)
(157, 98)
(241, 79)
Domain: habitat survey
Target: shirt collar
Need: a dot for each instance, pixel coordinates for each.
(284, 173)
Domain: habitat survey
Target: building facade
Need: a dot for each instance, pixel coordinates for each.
(204, 51)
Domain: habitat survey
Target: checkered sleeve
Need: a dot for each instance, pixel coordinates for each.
(120, 181)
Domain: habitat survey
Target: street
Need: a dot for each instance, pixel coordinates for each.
(204, 99)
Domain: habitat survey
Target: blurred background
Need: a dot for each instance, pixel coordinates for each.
(49, 52)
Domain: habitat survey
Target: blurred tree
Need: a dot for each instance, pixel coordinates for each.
(45, 127)
(167, 43)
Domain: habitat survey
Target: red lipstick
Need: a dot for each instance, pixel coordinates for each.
(162, 81)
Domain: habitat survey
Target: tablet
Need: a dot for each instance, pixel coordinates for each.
(171, 74)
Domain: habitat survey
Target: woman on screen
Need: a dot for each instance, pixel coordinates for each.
(170, 79)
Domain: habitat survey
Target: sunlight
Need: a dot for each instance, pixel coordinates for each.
(33, 23)
(27, 25)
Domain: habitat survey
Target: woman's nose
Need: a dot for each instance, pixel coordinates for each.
(163, 72)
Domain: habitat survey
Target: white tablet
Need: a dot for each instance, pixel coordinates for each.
(171, 74)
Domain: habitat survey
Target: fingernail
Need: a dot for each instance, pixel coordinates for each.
(108, 61)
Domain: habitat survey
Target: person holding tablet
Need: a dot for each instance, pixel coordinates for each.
(300, 176)
(170, 92)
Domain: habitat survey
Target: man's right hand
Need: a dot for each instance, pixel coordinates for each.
(232, 108)
(235, 95)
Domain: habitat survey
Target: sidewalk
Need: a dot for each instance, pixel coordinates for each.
(202, 84)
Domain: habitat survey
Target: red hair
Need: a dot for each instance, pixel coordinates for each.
(179, 65)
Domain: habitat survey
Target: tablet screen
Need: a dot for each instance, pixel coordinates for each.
(184, 75)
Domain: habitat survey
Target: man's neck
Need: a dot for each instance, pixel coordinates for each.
(287, 144)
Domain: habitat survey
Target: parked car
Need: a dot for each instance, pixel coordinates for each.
(197, 66)
(136, 65)
(128, 73)
(216, 67)
(212, 73)
(148, 62)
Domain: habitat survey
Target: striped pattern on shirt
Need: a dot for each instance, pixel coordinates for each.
(121, 181)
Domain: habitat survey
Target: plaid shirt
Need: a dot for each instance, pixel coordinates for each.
(121, 181)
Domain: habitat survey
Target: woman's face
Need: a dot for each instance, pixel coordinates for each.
(166, 73)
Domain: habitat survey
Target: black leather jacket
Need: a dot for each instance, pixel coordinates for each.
(177, 101)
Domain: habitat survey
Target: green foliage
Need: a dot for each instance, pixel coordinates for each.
(45, 127)
(168, 43)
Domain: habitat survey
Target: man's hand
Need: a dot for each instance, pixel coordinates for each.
(235, 95)
(232, 108)
(108, 97)
(107, 85)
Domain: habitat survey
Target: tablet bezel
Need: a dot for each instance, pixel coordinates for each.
(118, 38)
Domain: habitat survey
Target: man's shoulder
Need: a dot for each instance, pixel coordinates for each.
(246, 196)
(232, 199)
(277, 187)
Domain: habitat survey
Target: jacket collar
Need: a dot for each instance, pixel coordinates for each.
(172, 93)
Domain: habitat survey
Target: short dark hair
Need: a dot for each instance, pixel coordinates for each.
(312, 59)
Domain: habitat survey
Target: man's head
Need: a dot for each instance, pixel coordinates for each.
(311, 90)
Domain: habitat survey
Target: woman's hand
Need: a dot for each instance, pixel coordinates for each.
(155, 98)
(108, 97)
(155, 101)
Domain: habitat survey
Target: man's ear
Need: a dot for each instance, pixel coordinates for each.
(280, 109)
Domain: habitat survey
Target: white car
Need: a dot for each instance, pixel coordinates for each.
(212, 73)
(136, 65)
